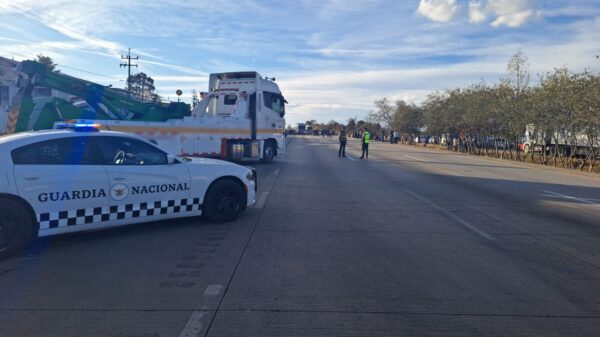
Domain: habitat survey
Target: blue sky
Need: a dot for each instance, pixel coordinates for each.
(331, 58)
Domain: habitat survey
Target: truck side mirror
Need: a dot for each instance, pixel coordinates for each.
(171, 159)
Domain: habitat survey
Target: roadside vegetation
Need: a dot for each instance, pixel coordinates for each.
(560, 115)
(555, 121)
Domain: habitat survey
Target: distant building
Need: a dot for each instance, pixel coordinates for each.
(9, 78)
(8, 89)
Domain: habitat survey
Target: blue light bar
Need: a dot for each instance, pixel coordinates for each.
(78, 126)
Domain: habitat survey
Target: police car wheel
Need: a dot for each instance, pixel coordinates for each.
(224, 201)
(269, 152)
(16, 227)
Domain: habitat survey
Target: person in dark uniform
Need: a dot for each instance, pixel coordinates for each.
(343, 139)
(366, 138)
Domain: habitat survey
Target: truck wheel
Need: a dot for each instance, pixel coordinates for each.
(268, 152)
(16, 227)
(224, 201)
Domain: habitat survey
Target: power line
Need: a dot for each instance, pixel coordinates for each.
(25, 15)
(85, 71)
(155, 69)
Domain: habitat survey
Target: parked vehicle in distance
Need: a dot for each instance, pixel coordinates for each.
(493, 142)
(559, 140)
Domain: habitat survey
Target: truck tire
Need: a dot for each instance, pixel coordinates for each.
(268, 152)
(224, 201)
(16, 227)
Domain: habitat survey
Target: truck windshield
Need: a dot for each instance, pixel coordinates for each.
(274, 102)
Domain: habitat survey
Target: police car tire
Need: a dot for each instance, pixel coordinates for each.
(11, 210)
(268, 152)
(224, 201)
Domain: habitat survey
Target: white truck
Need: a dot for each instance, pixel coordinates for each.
(240, 117)
(537, 138)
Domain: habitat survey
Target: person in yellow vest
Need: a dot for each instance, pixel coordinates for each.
(365, 143)
(343, 139)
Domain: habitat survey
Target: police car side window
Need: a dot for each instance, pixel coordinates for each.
(128, 151)
(64, 151)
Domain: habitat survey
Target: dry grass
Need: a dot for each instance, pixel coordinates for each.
(537, 160)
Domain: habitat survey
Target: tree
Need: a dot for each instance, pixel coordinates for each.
(142, 86)
(518, 71)
(351, 125)
(518, 103)
(559, 116)
(47, 61)
(407, 118)
(333, 126)
(384, 112)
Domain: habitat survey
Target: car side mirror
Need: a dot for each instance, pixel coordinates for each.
(171, 159)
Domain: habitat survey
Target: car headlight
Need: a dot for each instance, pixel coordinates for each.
(252, 174)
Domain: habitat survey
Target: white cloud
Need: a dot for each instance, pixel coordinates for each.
(180, 79)
(513, 20)
(510, 13)
(438, 10)
(183, 69)
(476, 12)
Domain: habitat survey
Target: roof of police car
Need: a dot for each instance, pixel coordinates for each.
(27, 135)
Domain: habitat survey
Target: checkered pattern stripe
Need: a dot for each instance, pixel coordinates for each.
(84, 216)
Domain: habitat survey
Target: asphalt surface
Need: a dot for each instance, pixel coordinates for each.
(411, 242)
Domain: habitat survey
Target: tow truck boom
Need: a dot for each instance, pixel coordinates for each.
(103, 102)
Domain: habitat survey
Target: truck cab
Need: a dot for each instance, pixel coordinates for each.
(249, 100)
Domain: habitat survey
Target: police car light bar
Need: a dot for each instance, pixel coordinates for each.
(78, 126)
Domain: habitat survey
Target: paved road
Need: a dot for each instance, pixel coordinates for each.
(411, 242)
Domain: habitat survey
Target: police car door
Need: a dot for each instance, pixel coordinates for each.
(144, 186)
(63, 182)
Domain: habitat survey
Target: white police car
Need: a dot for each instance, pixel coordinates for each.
(61, 181)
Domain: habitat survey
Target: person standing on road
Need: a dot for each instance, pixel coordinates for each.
(365, 143)
(343, 139)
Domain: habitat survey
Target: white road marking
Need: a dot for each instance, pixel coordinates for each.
(276, 172)
(213, 290)
(413, 158)
(193, 326)
(564, 196)
(262, 200)
(450, 215)
(347, 156)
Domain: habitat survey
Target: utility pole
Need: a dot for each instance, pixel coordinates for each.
(128, 65)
